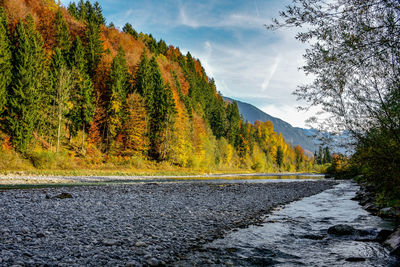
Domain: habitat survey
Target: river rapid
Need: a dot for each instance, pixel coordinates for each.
(296, 235)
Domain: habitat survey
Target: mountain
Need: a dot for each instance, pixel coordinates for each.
(293, 135)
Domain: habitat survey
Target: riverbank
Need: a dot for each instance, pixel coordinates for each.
(132, 225)
(48, 180)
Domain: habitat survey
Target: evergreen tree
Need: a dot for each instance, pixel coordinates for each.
(82, 98)
(94, 48)
(119, 87)
(73, 10)
(27, 86)
(98, 11)
(130, 30)
(217, 118)
(159, 111)
(63, 40)
(279, 156)
(327, 155)
(82, 11)
(143, 81)
(159, 103)
(5, 60)
(233, 118)
(320, 156)
(162, 47)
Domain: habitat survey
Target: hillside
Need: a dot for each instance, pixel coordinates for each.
(78, 94)
(293, 135)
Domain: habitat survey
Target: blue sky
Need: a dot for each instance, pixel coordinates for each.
(248, 62)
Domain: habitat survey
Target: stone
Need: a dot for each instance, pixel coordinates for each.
(140, 244)
(153, 262)
(40, 235)
(342, 230)
(111, 242)
(63, 195)
(132, 264)
(371, 207)
(393, 242)
(383, 235)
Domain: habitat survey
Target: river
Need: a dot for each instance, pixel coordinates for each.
(296, 235)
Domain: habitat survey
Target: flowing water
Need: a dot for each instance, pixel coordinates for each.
(296, 235)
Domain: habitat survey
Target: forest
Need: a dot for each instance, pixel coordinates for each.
(76, 93)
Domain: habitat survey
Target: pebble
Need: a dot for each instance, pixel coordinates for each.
(97, 226)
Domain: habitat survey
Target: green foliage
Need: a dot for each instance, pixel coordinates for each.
(323, 156)
(279, 156)
(27, 87)
(130, 30)
(85, 11)
(73, 10)
(119, 87)
(94, 46)
(63, 39)
(159, 103)
(82, 99)
(5, 60)
(233, 119)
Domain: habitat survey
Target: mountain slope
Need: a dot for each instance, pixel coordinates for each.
(293, 135)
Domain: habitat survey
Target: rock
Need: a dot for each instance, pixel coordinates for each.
(371, 207)
(25, 230)
(111, 242)
(40, 235)
(132, 264)
(383, 235)
(355, 259)
(63, 195)
(153, 262)
(341, 230)
(140, 244)
(393, 242)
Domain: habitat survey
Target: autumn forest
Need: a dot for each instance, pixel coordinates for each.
(76, 93)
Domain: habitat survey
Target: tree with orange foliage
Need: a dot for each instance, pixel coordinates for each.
(135, 138)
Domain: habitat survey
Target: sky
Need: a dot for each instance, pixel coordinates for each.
(248, 62)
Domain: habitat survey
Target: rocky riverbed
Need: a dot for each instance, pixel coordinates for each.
(146, 224)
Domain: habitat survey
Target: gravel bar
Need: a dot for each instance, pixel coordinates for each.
(150, 224)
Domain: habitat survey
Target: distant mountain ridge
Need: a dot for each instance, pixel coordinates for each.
(293, 135)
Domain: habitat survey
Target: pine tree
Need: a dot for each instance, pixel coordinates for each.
(94, 46)
(98, 11)
(82, 98)
(73, 10)
(27, 86)
(327, 155)
(159, 103)
(119, 87)
(5, 60)
(82, 11)
(233, 118)
(63, 40)
(143, 81)
(130, 30)
(279, 156)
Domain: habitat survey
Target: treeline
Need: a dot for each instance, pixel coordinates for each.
(99, 95)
